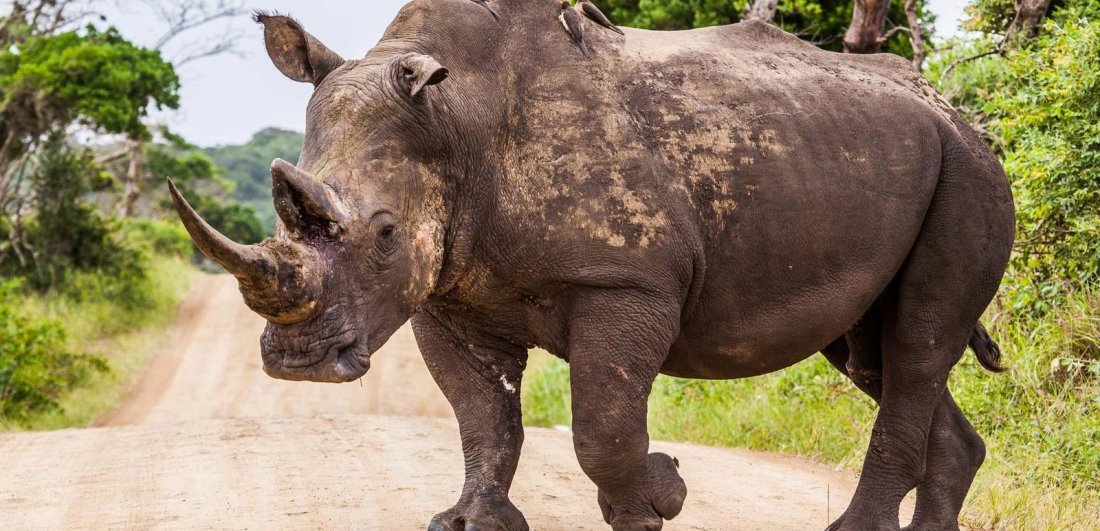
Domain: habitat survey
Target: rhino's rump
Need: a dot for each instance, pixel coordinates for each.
(806, 174)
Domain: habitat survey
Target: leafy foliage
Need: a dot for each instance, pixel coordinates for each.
(96, 78)
(35, 366)
(989, 16)
(822, 22)
(201, 181)
(1039, 105)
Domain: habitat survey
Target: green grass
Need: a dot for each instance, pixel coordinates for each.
(1041, 420)
(124, 336)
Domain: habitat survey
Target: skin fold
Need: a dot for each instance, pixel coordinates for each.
(716, 203)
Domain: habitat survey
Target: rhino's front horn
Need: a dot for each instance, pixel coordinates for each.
(280, 280)
(246, 262)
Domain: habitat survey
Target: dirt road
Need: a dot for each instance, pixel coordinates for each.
(206, 440)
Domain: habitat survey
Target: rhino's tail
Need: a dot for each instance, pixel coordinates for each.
(986, 350)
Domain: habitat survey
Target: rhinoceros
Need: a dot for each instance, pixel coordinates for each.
(717, 203)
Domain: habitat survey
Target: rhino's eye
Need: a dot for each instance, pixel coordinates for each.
(386, 238)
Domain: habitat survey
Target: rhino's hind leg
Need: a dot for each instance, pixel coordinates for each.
(955, 453)
(955, 450)
(928, 314)
(480, 377)
(617, 344)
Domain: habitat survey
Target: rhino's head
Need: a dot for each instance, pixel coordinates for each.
(360, 239)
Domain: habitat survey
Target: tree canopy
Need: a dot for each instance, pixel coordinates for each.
(95, 78)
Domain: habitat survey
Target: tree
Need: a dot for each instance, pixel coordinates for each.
(181, 18)
(865, 34)
(92, 78)
(65, 233)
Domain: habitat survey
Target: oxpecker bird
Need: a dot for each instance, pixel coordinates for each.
(485, 4)
(574, 24)
(588, 9)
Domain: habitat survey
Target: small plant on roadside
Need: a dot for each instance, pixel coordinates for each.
(36, 368)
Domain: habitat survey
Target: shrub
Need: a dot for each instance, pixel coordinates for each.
(65, 233)
(1039, 107)
(160, 237)
(35, 367)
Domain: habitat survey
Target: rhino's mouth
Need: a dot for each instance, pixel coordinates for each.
(345, 359)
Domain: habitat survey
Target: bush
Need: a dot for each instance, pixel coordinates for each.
(64, 233)
(35, 367)
(1039, 106)
(167, 238)
(128, 284)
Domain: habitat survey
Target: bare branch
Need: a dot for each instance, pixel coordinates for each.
(229, 44)
(894, 31)
(118, 154)
(996, 50)
(916, 37)
(182, 17)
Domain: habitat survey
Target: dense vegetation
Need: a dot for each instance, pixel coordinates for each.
(822, 22)
(88, 255)
(1036, 99)
(248, 167)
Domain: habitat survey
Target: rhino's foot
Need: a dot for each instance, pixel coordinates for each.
(836, 524)
(636, 523)
(665, 491)
(481, 515)
(950, 526)
(848, 524)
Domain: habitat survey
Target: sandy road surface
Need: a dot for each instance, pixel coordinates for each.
(208, 441)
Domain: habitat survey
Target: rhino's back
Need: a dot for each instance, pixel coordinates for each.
(754, 50)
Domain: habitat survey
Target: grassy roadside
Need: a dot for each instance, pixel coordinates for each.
(1041, 421)
(124, 336)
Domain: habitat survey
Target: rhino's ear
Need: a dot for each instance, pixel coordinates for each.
(297, 54)
(420, 71)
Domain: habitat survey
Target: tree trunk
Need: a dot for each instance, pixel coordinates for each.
(762, 10)
(131, 186)
(916, 36)
(1029, 14)
(868, 19)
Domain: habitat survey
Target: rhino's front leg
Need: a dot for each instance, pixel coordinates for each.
(618, 342)
(480, 377)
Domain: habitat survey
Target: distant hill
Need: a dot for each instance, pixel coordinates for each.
(249, 166)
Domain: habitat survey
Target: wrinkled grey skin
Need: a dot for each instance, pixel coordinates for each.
(718, 203)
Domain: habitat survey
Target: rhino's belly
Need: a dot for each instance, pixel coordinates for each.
(721, 343)
(780, 283)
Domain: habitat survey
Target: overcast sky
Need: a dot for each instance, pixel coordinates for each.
(226, 99)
